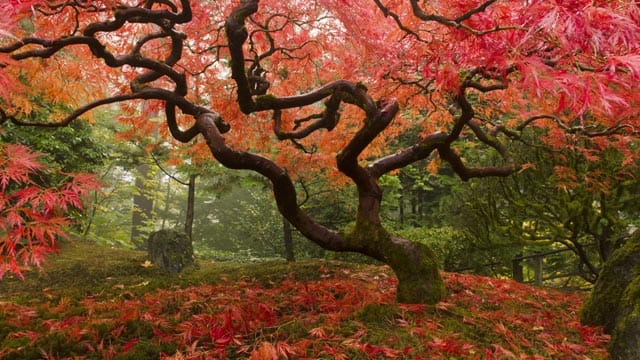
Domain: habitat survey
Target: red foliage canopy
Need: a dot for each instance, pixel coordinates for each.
(497, 66)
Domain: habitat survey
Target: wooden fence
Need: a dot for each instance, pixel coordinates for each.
(537, 263)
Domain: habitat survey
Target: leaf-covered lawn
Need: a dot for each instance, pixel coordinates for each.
(339, 311)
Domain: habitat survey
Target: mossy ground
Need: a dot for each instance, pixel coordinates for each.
(91, 302)
(83, 269)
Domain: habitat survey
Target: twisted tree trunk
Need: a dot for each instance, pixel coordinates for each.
(414, 264)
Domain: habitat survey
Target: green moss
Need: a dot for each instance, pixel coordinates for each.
(603, 306)
(82, 269)
(147, 349)
(435, 288)
(625, 340)
(86, 269)
(615, 300)
(55, 344)
(295, 329)
(102, 330)
(418, 275)
(414, 264)
(482, 335)
(265, 101)
(8, 343)
(138, 329)
(378, 315)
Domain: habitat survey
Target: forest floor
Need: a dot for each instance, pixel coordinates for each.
(92, 302)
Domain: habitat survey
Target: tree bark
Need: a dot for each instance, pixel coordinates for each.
(414, 264)
(167, 199)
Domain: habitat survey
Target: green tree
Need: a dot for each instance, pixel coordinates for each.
(565, 200)
(75, 148)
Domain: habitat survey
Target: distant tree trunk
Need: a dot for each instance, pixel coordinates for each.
(91, 215)
(401, 209)
(167, 198)
(188, 222)
(517, 269)
(142, 205)
(287, 236)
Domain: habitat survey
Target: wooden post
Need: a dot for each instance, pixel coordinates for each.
(516, 267)
(537, 268)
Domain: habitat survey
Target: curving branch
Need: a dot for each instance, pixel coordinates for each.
(237, 35)
(465, 119)
(283, 187)
(180, 135)
(619, 128)
(166, 172)
(492, 141)
(396, 18)
(79, 111)
(420, 151)
(267, 31)
(458, 22)
(465, 173)
(327, 120)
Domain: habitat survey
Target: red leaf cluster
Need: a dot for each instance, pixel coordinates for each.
(33, 216)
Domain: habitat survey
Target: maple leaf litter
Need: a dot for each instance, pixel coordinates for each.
(346, 313)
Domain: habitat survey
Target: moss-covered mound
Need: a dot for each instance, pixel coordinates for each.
(170, 250)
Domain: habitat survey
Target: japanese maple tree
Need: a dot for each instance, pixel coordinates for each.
(33, 216)
(319, 88)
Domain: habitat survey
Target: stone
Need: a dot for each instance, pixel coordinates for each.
(170, 250)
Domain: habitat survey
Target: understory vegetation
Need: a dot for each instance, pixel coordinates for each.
(94, 302)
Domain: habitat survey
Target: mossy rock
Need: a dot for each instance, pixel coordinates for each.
(170, 250)
(615, 301)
